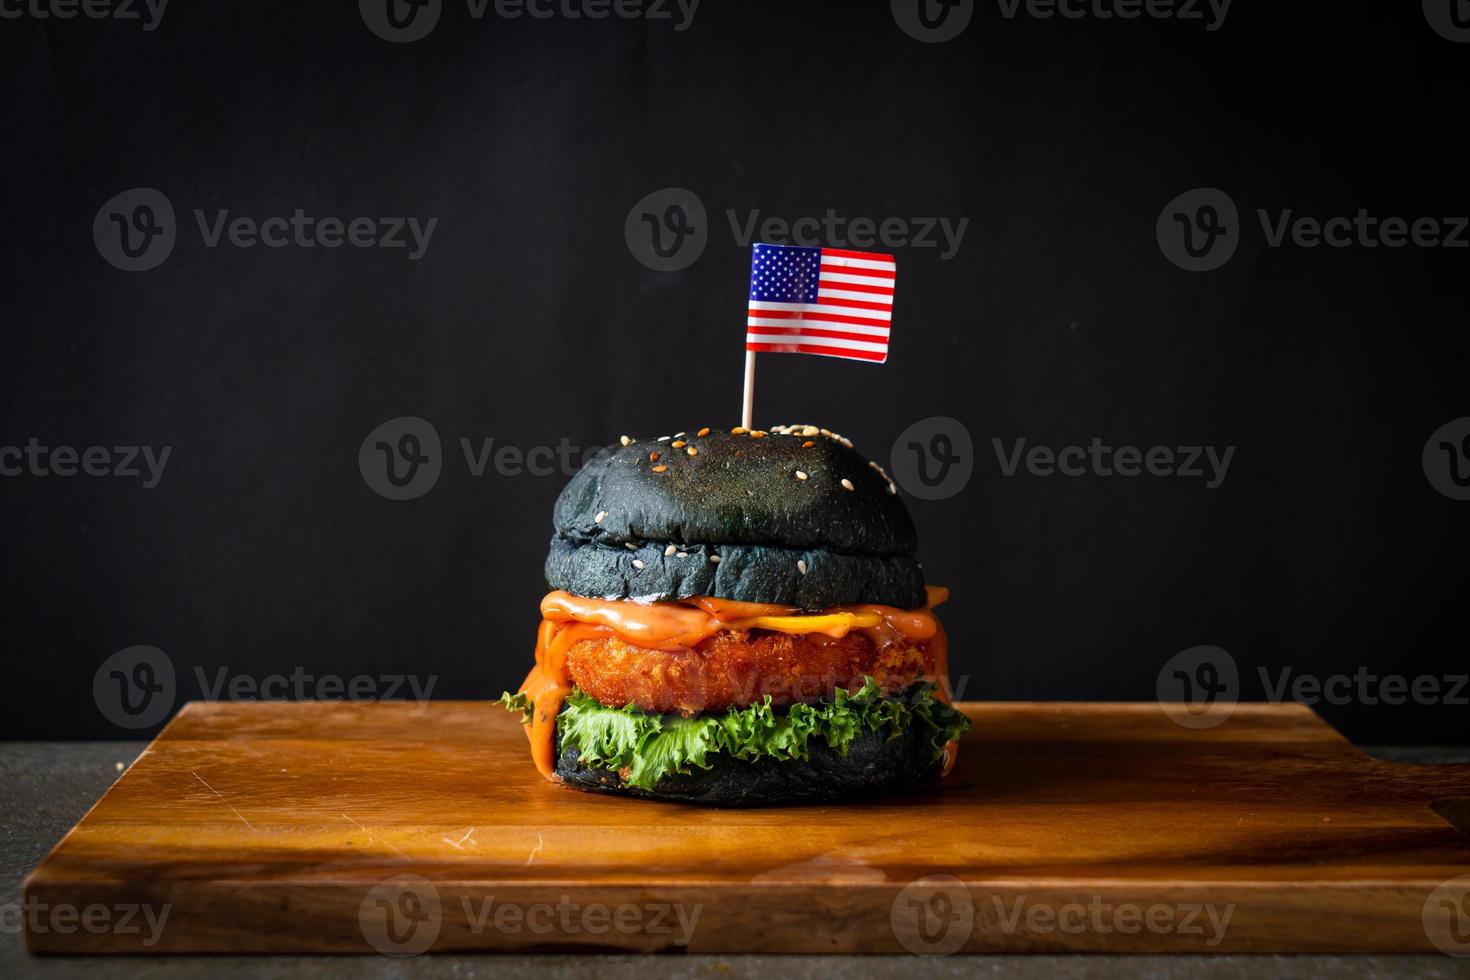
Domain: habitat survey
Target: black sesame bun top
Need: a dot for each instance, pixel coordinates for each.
(794, 515)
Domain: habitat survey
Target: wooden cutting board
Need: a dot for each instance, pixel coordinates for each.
(1072, 827)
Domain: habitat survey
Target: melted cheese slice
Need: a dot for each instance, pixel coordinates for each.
(670, 625)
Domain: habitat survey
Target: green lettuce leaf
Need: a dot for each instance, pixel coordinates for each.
(647, 747)
(519, 702)
(679, 744)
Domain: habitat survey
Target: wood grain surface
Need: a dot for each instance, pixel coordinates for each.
(404, 828)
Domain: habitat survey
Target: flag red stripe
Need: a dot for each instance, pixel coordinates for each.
(859, 355)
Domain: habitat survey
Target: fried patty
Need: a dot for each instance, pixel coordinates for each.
(738, 668)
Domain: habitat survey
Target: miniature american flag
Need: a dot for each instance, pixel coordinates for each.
(820, 301)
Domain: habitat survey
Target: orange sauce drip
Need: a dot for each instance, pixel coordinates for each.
(681, 624)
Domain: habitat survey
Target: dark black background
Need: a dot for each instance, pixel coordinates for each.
(528, 320)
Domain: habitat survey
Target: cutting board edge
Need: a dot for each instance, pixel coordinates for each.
(859, 920)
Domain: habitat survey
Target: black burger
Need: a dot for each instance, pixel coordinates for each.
(737, 618)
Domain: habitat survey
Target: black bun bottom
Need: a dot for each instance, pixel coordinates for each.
(874, 763)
